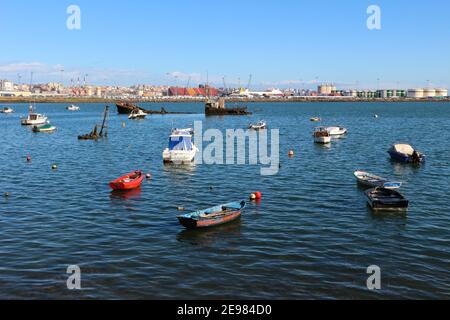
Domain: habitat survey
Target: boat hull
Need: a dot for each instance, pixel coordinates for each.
(381, 199)
(212, 217)
(179, 156)
(322, 140)
(401, 157)
(122, 184)
(190, 223)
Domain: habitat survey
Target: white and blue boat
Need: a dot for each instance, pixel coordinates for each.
(181, 149)
(369, 180)
(406, 153)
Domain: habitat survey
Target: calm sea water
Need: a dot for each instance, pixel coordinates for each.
(312, 236)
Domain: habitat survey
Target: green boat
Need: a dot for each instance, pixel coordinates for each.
(44, 128)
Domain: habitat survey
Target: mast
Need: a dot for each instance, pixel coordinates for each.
(105, 116)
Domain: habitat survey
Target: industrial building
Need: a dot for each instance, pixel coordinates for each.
(6, 85)
(326, 89)
(193, 92)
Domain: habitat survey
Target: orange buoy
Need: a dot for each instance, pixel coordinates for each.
(258, 195)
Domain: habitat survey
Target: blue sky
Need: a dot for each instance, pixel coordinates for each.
(278, 42)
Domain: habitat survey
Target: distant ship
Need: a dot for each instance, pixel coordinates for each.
(216, 107)
(127, 108)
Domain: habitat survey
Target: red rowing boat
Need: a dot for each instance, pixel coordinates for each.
(130, 181)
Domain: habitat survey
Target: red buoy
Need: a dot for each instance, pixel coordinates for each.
(28, 159)
(258, 195)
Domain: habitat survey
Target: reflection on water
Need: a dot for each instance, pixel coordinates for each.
(125, 195)
(210, 236)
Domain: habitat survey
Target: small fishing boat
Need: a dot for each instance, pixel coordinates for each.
(128, 182)
(315, 119)
(73, 108)
(372, 181)
(322, 135)
(34, 119)
(386, 199)
(7, 110)
(213, 216)
(337, 131)
(261, 125)
(181, 149)
(44, 128)
(406, 153)
(137, 114)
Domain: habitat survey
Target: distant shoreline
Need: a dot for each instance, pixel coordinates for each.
(10, 100)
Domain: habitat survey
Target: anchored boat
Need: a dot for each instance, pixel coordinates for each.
(386, 199)
(128, 182)
(262, 125)
(213, 216)
(44, 128)
(336, 131)
(7, 110)
(181, 148)
(137, 114)
(34, 119)
(73, 108)
(322, 135)
(406, 153)
(372, 181)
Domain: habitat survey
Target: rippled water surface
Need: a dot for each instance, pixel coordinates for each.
(312, 236)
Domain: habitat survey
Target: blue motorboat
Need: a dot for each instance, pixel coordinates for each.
(405, 153)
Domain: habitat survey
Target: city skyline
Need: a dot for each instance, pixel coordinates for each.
(292, 44)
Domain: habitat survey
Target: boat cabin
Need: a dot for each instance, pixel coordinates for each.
(181, 142)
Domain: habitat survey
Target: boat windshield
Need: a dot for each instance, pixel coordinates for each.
(183, 143)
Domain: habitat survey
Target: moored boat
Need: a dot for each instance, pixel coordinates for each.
(7, 110)
(44, 128)
(261, 125)
(322, 135)
(211, 217)
(73, 108)
(372, 181)
(128, 182)
(337, 131)
(34, 119)
(406, 153)
(137, 114)
(386, 199)
(181, 149)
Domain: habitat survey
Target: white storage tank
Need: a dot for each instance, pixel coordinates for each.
(441, 92)
(429, 93)
(415, 93)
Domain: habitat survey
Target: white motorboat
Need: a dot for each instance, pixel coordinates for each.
(262, 125)
(73, 108)
(337, 131)
(34, 119)
(7, 110)
(137, 114)
(322, 135)
(181, 149)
